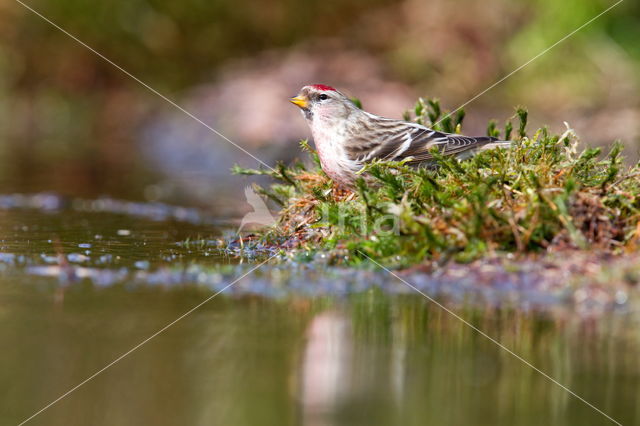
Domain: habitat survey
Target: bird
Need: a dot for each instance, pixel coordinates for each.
(347, 137)
(260, 214)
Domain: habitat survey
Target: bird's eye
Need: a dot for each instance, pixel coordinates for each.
(323, 97)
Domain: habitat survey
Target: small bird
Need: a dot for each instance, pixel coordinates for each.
(346, 137)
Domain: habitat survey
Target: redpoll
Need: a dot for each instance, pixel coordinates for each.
(347, 137)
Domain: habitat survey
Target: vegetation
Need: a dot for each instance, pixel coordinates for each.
(543, 194)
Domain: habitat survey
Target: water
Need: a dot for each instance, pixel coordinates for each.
(82, 284)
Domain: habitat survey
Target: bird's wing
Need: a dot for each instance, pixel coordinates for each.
(398, 140)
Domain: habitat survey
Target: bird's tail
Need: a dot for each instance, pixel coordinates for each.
(482, 143)
(496, 144)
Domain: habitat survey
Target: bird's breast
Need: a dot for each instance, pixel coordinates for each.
(333, 159)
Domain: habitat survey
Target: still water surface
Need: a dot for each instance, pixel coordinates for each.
(80, 288)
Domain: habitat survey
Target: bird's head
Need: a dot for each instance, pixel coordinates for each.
(325, 103)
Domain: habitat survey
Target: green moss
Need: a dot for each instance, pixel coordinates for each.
(542, 193)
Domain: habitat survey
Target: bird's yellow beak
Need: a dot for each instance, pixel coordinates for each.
(300, 101)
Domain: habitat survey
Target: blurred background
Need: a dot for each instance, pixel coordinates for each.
(74, 124)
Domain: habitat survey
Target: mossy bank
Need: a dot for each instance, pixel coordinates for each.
(544, 194)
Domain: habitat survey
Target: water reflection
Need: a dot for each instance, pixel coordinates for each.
(410, 363)
(326, 366)
(295, 344)
(371, 358)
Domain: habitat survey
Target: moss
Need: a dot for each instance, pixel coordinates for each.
(544, 193)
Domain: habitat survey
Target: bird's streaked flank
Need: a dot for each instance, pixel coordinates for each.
(347, 137)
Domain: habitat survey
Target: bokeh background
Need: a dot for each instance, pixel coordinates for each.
(74, 124)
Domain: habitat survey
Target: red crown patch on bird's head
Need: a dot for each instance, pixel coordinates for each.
(323, 87)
